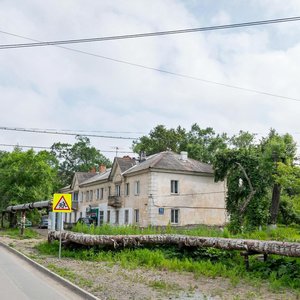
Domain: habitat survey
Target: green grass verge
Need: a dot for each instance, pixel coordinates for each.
(278, 272)
(70, 275)
(15, 233)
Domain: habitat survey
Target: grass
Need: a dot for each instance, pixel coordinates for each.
(15, 233)
(162, 285)
(71, 276)
(278, 272)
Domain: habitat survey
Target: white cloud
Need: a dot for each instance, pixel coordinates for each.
(51, 87)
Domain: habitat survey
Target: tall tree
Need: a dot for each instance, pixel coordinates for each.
(247, 186)
(161, 139)
(277, 149)
(27, 176)
(79, 157)
(203, 144)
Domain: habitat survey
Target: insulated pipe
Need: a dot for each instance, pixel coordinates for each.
(26, 206)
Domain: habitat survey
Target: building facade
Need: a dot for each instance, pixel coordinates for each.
(165, 188)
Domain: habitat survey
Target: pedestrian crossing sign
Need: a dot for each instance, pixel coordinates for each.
(62, 203)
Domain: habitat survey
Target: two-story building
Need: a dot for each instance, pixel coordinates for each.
(165, 188)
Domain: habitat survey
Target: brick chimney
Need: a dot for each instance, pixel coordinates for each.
(102, 168)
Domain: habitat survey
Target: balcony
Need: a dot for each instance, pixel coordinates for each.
(114, 201)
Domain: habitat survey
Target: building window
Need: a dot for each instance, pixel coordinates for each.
(98, 194)
(161, 210)
(174, 187)
(101, 217)
(109, 191)
(108, 217)
(174, 216)
(101, 193)
(126, 216)
(118, 190)
(75, 197)
(87, 196)
(136, 216)
(136, 187)
(127, 189)
(117, 217)
(91, 195)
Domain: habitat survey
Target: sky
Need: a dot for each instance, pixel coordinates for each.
(56, 88)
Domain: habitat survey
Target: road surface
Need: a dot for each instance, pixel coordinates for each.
(20, 281)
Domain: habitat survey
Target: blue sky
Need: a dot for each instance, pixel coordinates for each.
(55, 88)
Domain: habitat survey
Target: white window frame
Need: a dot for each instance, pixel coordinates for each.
(126, 216)
(174, 187)
(174, 216)
(137, 189)
(136, 216)
(117, 220)
(117, 190)
(127, 189)
(101, 217)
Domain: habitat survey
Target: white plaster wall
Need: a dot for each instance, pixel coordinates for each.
(200, 200)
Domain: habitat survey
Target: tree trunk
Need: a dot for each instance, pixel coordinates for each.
(274, 209)
(116, 241)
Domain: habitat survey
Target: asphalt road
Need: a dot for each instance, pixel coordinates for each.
(20, 281)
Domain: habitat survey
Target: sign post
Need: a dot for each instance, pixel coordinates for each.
(62, 203)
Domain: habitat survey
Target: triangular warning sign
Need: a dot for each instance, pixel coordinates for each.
(62, 204)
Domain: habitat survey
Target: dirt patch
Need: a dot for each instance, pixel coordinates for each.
(110, 281)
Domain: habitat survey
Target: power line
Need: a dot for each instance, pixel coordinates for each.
(150, 34)
(84, 131)
(44, 147)
(66, 133)
(166, 71)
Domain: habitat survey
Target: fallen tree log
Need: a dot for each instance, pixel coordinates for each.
(117, 241)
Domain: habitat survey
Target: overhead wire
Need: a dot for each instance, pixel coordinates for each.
(84, 131)
(44, 147)
(165, 71)
(66, 133)
(150, 34)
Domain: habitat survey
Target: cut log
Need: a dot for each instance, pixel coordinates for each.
(117, 241)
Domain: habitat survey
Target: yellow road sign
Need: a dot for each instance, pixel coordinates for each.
(62, 203)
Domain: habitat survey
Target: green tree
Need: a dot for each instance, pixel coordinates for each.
(79, 157)
(288, 176)
(203, 144)
(161, 139)
(26, 176)
(247, 186)
(277, 149)
(254, 180)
